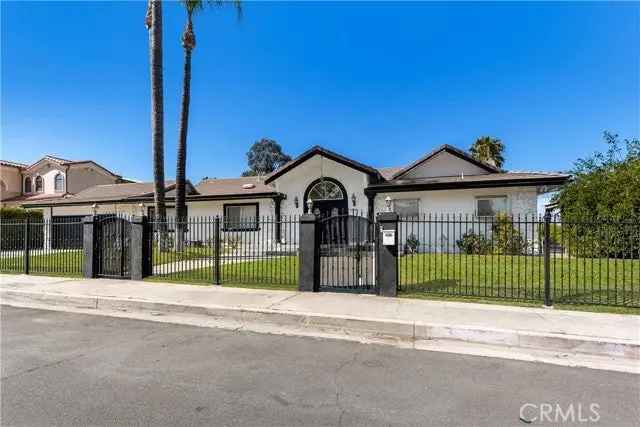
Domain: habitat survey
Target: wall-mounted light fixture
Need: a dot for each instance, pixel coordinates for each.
(296, 202)
(309, 206)
(94, 209)
(141, 206)
(353, 199)
(387, 202)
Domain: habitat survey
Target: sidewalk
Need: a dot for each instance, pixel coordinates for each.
(597, 340)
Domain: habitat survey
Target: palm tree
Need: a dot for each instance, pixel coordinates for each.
(153, 22)
(188, 43)
(488, 150)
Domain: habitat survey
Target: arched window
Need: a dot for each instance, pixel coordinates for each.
(39, 184)
(3, 186)
(27, 185)
(326, 190)
(59, 182)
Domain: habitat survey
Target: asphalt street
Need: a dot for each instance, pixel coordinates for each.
(73, 369)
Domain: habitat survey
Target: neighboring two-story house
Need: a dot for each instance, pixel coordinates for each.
(50, 178)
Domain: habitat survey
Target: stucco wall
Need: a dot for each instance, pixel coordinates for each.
(453, 214)
(85, 176)
(444, 164)
(48, 172)
(12, 179)
(295, 182)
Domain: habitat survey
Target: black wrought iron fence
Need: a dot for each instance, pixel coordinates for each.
(42, 247)
(214, 250)
(594, 261)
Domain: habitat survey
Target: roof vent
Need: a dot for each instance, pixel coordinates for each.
(248, 186)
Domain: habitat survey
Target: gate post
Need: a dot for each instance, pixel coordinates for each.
(387, 259)
(309, 254)
(547, 259)
(89, 268)
(140, 258)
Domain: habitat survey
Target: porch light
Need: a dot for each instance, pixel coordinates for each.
(353, 199)
(296, 202)
(94, 209)
(309, 205)
(141, 206)
(387, 201)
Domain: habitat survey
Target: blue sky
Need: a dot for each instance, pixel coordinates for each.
(382, 83)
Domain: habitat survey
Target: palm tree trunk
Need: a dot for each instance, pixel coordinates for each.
(157, 125)
(182, 141)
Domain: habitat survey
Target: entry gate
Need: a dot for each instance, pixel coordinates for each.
(347, 253)
(113, 239)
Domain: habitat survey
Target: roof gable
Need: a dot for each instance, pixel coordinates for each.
(317, 150)
(457, 159)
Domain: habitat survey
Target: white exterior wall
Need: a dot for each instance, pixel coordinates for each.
(435, 236)
(520, 200)
(296, 181)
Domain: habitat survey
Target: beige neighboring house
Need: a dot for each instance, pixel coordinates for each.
(50, 178)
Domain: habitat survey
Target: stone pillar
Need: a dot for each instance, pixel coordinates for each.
(309, 254)
(88, 242)
(387, 260)
(139, 249)
(371, 197)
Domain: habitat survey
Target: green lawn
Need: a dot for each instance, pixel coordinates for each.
(573, 280)
(275, 273)
(59, 263)
(166, 257)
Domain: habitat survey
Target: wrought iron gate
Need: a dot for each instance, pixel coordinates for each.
(347, 253)
(113, 238)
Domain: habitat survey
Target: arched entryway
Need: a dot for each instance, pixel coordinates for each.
(329, 197)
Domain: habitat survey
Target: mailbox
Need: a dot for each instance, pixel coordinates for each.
(389, 237)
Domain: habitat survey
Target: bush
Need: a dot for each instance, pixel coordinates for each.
(10, 214)
(412, 244)
(603, 195)
(474, 244)
(507, 240)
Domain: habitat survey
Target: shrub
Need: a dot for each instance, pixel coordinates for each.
(474, 244)
(507, 240)
(412, 244)
(11, 214)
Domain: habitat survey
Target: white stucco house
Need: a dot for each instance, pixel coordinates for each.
(446, 180)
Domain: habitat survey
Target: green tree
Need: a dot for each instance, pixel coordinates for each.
(489, 150)
(264, 157)
(605, 190)
(188, 40)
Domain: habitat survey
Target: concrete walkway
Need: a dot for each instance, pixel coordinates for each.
(597, 340)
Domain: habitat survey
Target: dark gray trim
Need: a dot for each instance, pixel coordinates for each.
(120, 201)
(256, 227)
(429, 186)
(317, 150)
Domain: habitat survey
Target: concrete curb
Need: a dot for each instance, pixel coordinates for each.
(366, 329)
